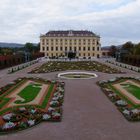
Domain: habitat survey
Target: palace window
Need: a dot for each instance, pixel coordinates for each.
(43, 42)
(47, 41)
(56, 48)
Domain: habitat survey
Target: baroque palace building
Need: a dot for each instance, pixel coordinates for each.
(79, 44)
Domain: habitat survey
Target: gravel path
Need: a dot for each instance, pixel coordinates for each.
(87, 113)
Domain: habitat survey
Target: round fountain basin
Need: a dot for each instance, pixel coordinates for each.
(77, 75)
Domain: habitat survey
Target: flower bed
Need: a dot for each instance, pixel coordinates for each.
(18, 117)
(128, 104)
(81, 65)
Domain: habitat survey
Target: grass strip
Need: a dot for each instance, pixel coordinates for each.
(123, 97)
(134, 90)
(13, 88)
(47, 97)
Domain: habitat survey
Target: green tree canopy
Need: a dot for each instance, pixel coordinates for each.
(6, 51)
(137, 49)
(129, 46)
(30, 47)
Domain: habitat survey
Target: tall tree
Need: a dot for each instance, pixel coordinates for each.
(129, 46)
(29, 47)
(136, 50)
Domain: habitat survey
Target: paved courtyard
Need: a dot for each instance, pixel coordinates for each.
(87, 113)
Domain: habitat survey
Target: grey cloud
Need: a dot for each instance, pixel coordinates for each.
(24, 20)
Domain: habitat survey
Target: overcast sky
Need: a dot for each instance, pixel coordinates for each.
(116, 21)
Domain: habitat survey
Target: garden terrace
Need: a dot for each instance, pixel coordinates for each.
(125, 94)
(29, 101)
(81, 65)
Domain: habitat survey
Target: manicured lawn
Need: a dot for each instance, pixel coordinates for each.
(13, 88)
(124, 103)
(46, 99)
(123, 96)
(4, 102)
(28, 97)
(133, 89)
(28, 94)
(20, 116)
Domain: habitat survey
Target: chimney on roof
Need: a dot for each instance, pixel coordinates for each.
(70, 33)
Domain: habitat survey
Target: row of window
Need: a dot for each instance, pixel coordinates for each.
(67, 43)
(70, 40)
(70, 34)
(70, 48)
(89, 41)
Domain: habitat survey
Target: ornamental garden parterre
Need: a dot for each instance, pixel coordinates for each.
(53, 66)
(124, 92)
(28, 101)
